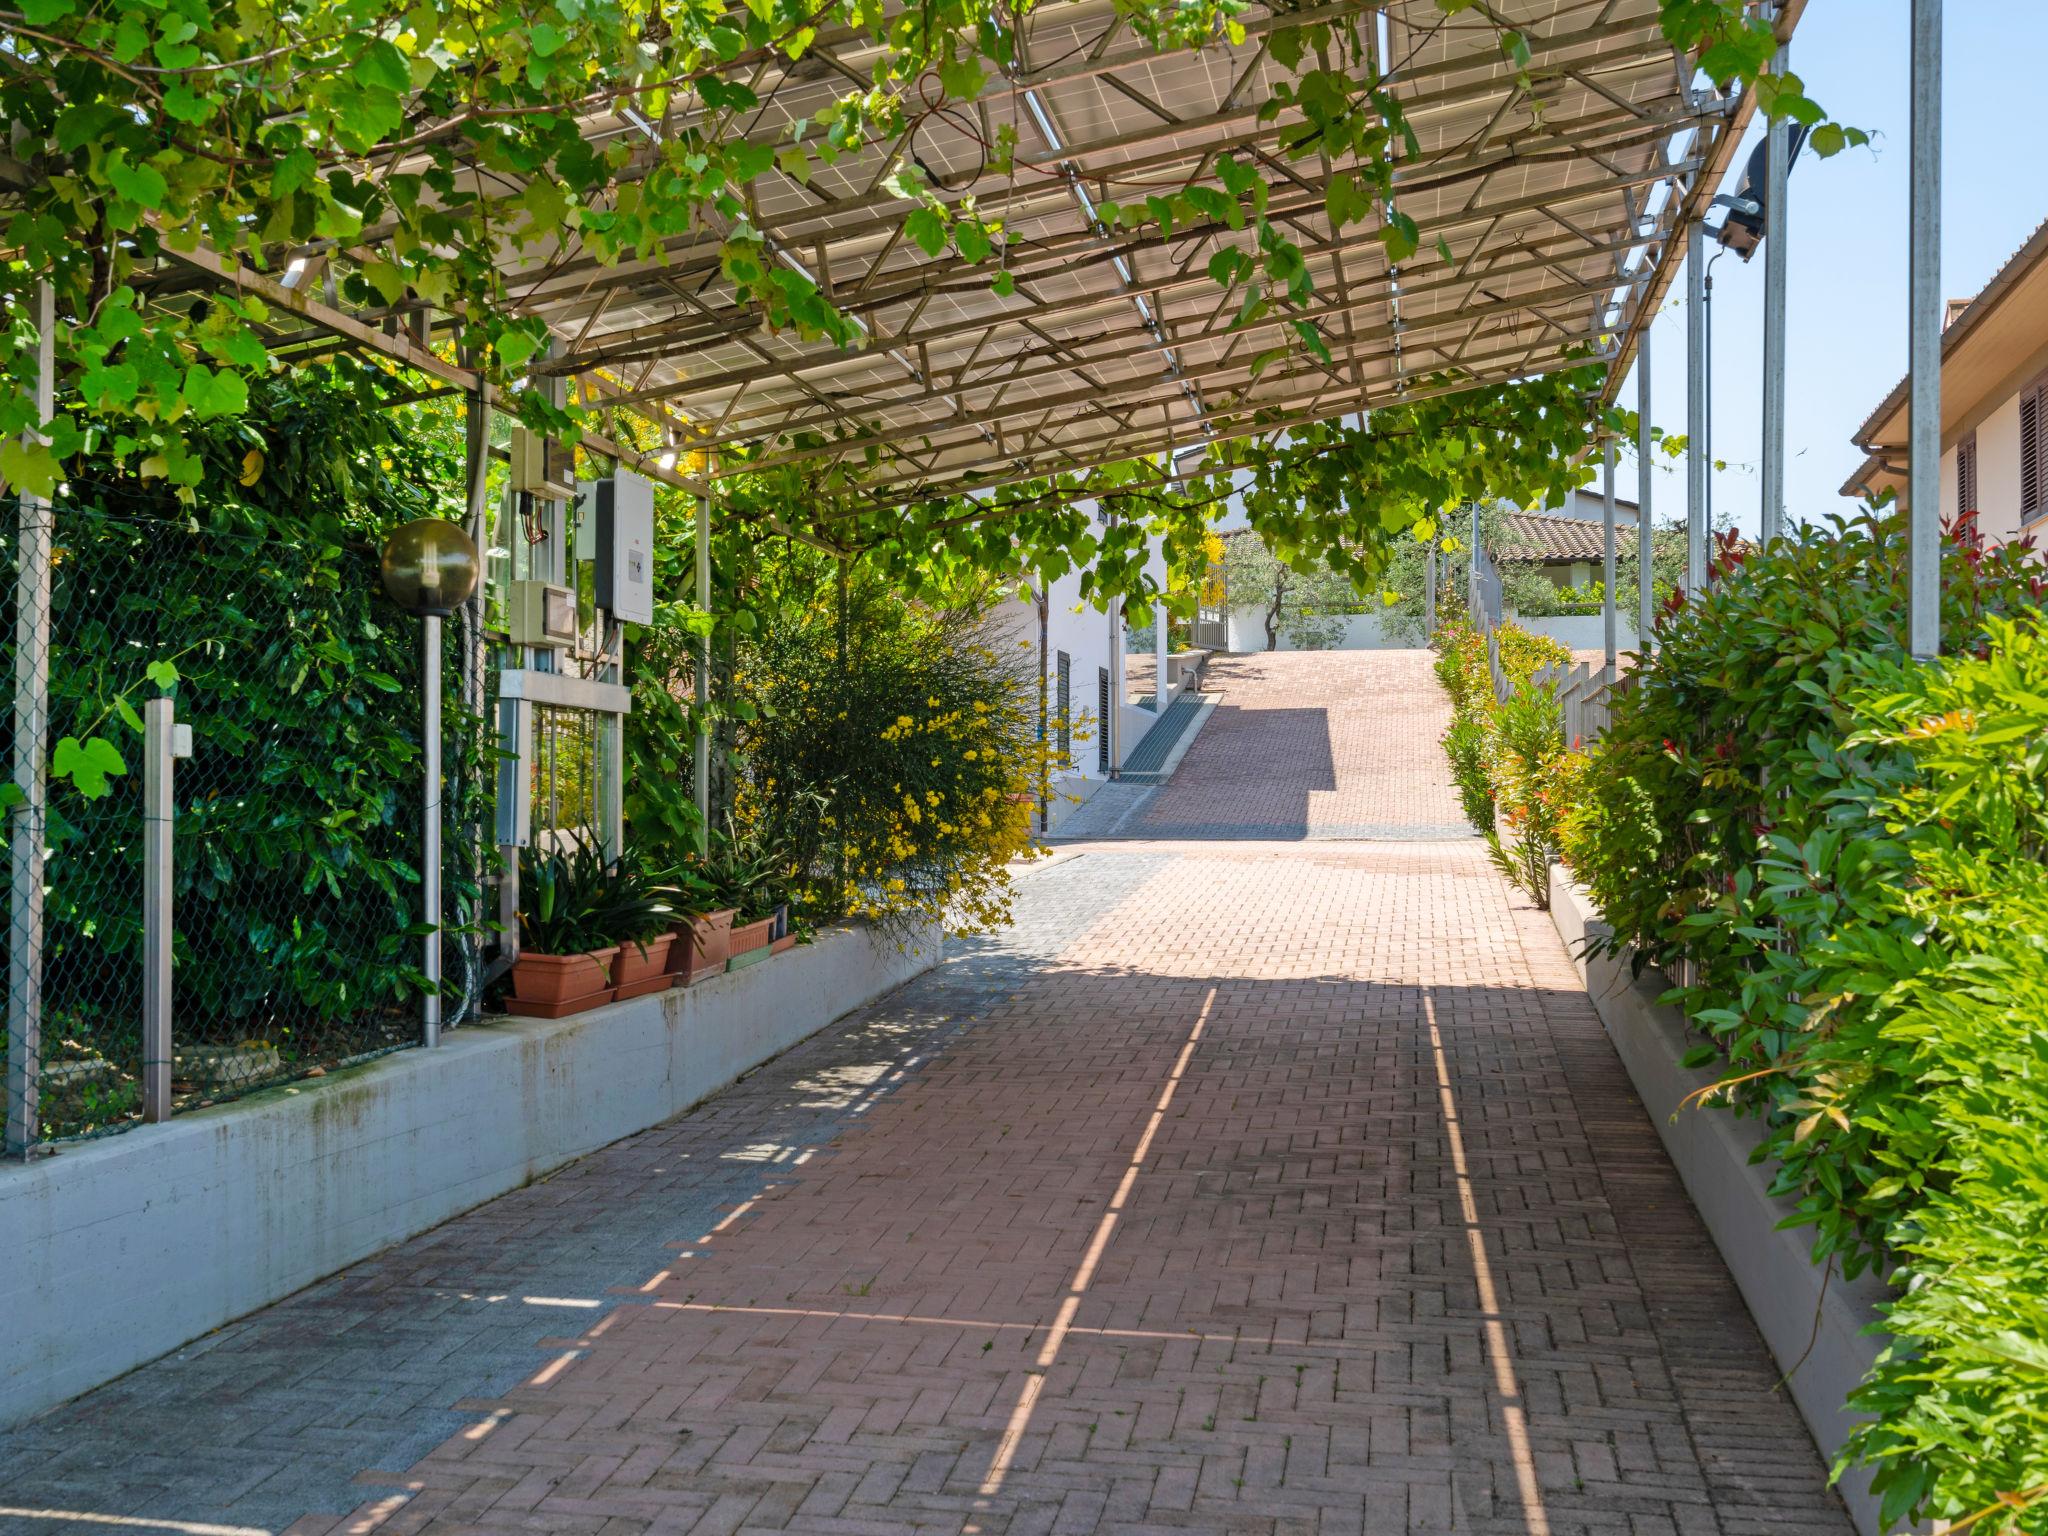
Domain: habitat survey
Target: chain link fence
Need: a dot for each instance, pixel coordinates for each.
(294, 888)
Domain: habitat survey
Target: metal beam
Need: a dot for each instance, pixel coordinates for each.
(1645, 476)
(1695, 408)
(1923, 506)
(1777, 161)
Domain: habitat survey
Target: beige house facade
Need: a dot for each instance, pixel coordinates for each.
(1994, 406)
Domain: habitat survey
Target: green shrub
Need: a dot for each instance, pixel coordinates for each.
(1843, 848)
(1477, 748)
(1524, 746)
(1465, 746)
(899, 781)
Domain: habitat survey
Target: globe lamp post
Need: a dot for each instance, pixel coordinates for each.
(430, 568)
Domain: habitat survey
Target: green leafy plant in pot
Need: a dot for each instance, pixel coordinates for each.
(576, 909)
(703, 924)
(639, 911)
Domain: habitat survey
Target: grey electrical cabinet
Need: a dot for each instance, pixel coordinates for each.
(619, 511)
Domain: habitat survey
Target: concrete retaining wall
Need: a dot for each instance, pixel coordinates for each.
(1779, 1281)
(113, 1252)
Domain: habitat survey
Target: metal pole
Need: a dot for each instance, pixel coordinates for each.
(1472, 571)
(1608, 615)
(470, 690)
(1923, 505)
(35, 524)
(158, 804)
(1777, 163)
(1044, 597)
(1429, 592)
(1113, 726)
(1159, 649)
(1646, 594)
(430, 870)
(700, 764)
(1695, 408)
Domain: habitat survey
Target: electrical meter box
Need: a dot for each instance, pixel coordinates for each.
(619, 511)
(539, 613)
(542, 466)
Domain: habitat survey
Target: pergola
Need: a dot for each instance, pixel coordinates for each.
(1556, 184)
(1552, 199)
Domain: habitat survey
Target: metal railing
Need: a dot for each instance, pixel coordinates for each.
(1583, 695)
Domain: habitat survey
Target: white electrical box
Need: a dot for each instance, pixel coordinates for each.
(542, 466)
(619, 511)
(539, 613)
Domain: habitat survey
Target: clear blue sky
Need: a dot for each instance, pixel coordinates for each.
(1846, 341)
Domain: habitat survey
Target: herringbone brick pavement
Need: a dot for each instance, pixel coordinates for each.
(1313, 744)
(1276, 1189)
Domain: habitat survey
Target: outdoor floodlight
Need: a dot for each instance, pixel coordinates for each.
(430, 567)
(1742, 231)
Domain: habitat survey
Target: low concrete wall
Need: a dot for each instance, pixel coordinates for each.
(1582, 631)
(113, 1252)
(1783, 1287)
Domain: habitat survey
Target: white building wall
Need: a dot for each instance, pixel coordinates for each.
(1092, 641)
(1362, 632)
(1998, 472)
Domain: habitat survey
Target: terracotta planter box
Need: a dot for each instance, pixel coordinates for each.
(555, 986)
(702, 944)
(785, 943)
(752, 936)
(643, 968)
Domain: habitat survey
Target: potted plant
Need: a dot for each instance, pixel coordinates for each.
(636, 911)
(565, 957)
(751, 939)
(703, 927)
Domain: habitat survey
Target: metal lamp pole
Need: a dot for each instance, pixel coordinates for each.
(430, 568)
(430, 859)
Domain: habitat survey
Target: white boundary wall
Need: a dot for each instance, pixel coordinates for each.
(1361, 632)
(1795, 1305)
(119, 1250)
(1583, 631)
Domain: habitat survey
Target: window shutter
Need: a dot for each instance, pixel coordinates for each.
(1065, 707)
(1102, 721)
(1966, 474)
(2030, 453)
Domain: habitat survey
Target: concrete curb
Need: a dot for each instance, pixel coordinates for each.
(1187, 737)
(121, 1249)
(1814, 1324)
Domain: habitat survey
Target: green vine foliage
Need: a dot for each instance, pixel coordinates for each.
(436, 138)
(1832, 840)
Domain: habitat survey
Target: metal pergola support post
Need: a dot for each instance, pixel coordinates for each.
(1429, 592)
(1695, 408)
(700, 762)
(1645, 576)
(1160, 651)
(1777, 166)
(35, 524)
(1609, 618)
(470, 688)
(1923, 507)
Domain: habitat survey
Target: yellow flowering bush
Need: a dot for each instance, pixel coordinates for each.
(903, 777)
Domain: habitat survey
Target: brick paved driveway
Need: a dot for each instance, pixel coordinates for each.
(1243, 1187)
(1314, 744)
